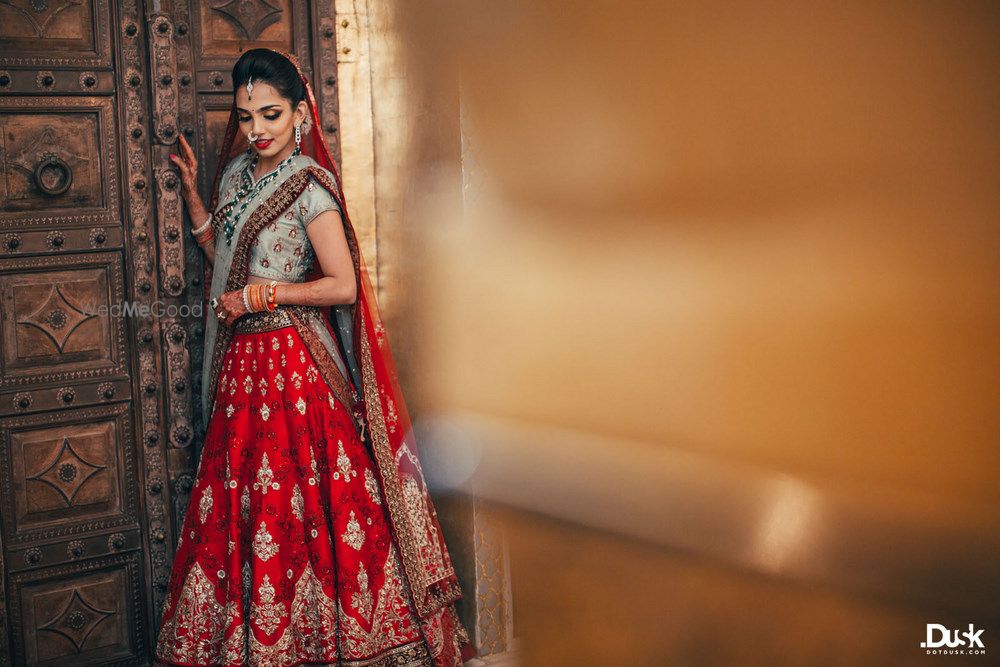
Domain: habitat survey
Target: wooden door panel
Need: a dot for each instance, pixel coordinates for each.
(58, 156)
(56, 33)
(213, 116)
(80, 614)
(68, 476)
(53, 328)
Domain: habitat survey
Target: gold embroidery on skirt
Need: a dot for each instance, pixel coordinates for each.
(354, 537)
(268, 614)
(297, 502)
(205, 504)
(264, 545)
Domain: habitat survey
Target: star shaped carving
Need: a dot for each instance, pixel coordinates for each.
(56, 317)
(250, 17)
(67, 472)
(77, 620)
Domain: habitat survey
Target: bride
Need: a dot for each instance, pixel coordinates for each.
(310, 537)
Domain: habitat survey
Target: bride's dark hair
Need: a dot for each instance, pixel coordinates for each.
(270, 67)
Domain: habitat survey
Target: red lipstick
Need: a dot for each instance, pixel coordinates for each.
(261, 144)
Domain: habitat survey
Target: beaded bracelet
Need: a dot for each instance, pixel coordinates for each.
(272, 295)
(246, 300)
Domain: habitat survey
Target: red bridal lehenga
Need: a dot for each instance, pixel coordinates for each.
(310, 538)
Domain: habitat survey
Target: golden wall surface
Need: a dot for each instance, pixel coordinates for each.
(715, 318)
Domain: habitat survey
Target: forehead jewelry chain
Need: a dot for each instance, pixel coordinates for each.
(250, 88)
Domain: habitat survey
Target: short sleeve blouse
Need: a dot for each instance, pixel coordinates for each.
(282, 250)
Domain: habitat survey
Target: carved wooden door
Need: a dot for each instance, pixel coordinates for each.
(99, 355)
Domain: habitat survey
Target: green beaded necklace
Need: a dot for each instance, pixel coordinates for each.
(248, 190)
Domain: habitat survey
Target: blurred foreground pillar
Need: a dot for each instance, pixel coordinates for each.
(715, 325)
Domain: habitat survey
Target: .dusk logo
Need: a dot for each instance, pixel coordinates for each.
(940, 640)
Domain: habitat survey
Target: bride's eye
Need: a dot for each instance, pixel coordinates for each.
(244, 119)
(274, 117)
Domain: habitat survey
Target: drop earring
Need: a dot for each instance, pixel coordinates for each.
(298, 135)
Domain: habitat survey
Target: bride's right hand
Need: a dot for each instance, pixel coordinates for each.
(187, 165)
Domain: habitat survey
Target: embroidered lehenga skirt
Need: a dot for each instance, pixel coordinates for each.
(286, 556)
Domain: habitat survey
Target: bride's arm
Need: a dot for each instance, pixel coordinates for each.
(187, 165)
(338, 284)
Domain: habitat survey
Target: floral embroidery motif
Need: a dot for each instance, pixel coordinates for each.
(268, 614)
(232, 386)
(353, 536)
(372, 486)
(275, 343)
(245, 503)
(343, 464)
(417, 513)
(362, 598)
(332, 401)
(205, 504)
(197, 614)
(230, 410)
(248, 384)
(265, 477)
(311, 374)
(296, 379)
(279, 382)
(391, 418)
(262, 385)
(265, 412)
(314, 479)
(300, 405)
(264, 545)
(297, 502)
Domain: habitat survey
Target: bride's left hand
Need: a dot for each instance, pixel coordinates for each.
(230, 307)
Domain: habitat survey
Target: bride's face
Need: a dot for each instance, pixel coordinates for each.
(270, 117)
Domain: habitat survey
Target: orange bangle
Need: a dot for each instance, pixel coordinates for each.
(258, 301)
(205, 237)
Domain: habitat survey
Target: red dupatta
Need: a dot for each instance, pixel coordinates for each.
(379, 404)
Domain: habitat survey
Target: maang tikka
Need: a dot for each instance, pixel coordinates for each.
(250, 88)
